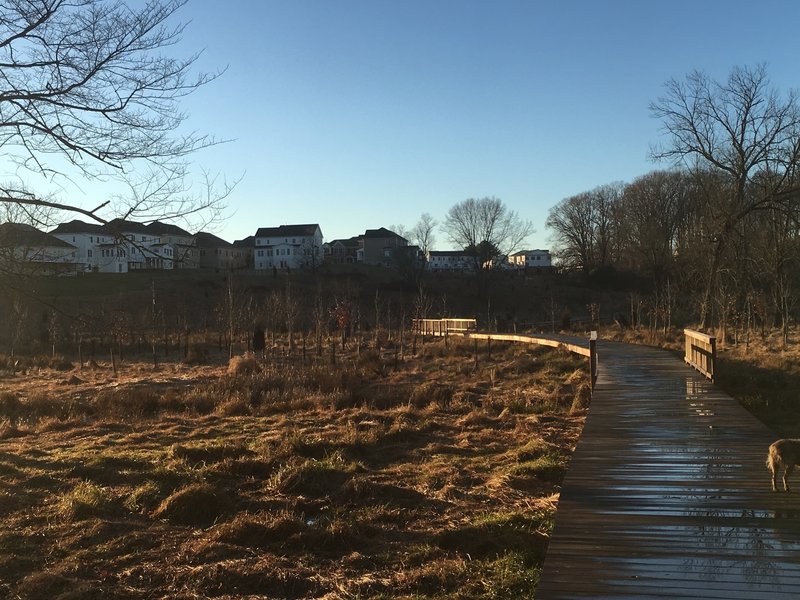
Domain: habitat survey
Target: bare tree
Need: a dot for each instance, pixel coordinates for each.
(741, 128)
(572, 224)
(486, 227)
(654, 207)
(422, 234)
(87, 90)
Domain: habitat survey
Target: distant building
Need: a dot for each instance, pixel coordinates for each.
(288, 247)
(377, 246)
(215, 253)
(450, 260)
(530, 259)
(247, 248)
(183, 253)
(342, 251)
(23, 248)
(86, 237)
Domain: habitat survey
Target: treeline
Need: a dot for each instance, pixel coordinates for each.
(676, 228)
(718, 234)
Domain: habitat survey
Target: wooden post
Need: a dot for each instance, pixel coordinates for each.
(593, 361)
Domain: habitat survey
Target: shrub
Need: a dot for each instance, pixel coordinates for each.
(242, 365)
(10, 405)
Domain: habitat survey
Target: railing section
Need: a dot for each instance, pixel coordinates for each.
(468, 328)
(701, 352)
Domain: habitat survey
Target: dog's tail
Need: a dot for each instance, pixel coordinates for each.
(774, 458)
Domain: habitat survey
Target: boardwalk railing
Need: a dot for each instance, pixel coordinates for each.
(467, 328)
(440, 327)
(701, 352)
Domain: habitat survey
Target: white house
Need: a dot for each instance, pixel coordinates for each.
(449, 260)
(530, 259)
(86, 237)
(184, 253)
(288, 247)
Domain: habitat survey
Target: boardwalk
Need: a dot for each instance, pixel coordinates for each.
(667, 495)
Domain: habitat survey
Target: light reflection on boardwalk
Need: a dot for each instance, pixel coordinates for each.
(667, 495)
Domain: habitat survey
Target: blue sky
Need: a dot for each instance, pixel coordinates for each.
(362, 114)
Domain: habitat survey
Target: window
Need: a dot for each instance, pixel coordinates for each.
(91, 240)
(260, 253)
(89, 253)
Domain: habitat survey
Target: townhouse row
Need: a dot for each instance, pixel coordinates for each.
(121, 246)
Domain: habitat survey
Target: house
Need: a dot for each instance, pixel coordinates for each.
(23, 248)
(184, 253)
(342, 251)
(450, 260)
(128, 248)
(216, 253)
(530, 259)
(377, 246)
(85, 237)
(246, 247)
(288, 247)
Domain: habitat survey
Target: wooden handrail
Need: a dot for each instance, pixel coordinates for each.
(444, 327)
(701, 352)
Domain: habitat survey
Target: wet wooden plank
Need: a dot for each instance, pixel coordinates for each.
(667, 495)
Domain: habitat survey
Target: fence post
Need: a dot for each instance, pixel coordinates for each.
(593, 361)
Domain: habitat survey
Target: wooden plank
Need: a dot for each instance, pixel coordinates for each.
(667, 495)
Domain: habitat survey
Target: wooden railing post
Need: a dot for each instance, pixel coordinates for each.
(593, 361)
(701, 352)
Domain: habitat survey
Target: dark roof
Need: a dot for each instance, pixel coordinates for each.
(159, 228)
(119, 226)
(451, 253)
(76, 226)
(247, 242)
(209, 240)
(19, 234)
(288, 230)
(522, 252)
(381, 233)
(352, 242)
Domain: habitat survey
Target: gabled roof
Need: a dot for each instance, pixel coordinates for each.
(209, 240)
(381, 233)
(14, 235)
(159, 228)
(352, 242)
(451, 253)
(307, 229)
(247, 242)
(77, 226)
(120, 226)
(526, 252)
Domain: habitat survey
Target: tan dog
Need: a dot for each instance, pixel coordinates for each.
(783, 454)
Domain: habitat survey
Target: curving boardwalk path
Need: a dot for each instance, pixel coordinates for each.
(667, 495)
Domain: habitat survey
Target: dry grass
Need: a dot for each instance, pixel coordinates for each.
(285, 480)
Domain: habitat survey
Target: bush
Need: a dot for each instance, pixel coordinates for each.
(242, 365)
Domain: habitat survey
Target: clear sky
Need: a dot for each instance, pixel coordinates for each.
(358, 114)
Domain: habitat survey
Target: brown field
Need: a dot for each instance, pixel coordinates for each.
(429, 477)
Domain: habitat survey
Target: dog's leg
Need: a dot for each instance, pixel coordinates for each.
(787, 470)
